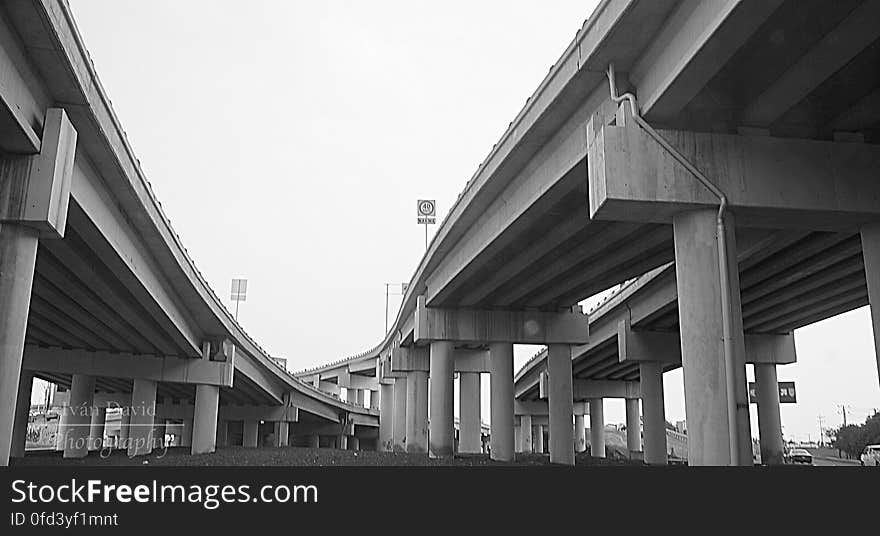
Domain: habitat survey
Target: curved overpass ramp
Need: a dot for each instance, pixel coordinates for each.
(97, 291)
(776, 102)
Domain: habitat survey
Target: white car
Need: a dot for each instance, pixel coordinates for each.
(871, 455)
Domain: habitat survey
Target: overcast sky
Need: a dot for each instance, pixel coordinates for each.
(288, 142)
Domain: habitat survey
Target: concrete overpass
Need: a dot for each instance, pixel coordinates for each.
(735, 139)
(97, 292)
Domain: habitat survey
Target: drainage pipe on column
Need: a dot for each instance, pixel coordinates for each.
(721, 238)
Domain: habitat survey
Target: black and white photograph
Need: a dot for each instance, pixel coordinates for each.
(289, 257)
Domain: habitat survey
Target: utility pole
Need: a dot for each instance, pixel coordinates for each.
(843, 410)
(821, 427)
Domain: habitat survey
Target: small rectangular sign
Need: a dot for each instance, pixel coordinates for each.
(787, 394)
(239, 289)
(427, 220)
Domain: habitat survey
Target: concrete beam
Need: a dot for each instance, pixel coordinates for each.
(665, 347)
(356, 381)
(478, 326)
(35, 190)
(694, 44)
(115, 365)
(770, 182)
(844, 42)
(540, 407)
(587, 389)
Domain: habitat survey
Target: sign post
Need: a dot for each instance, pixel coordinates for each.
(239, 293)
(427, 213)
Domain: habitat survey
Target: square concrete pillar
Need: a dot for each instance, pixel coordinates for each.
(654, 421)
(538, 440)
(386, 417)
(469, 412)
(18, 252)
(526, 434)
(222, 433)
(716, 399)
(124, 428)
(143, 412)
(96, 428)
(251, 433)
(580, 433)
(871, 252)
(186, 431)
(205, 429)
(417, 412)
(22, 413)
(560, 404)
(597, 428)
(769, 418)
(633, 429)
(79, 418)
(398, 427)
(501, 401)
(282, 434)
(442, 365)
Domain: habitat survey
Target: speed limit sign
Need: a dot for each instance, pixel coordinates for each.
(427, 211)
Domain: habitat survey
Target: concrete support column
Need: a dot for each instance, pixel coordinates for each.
(633, 432)
(186, 433)
(22, 413)
(282, 433)
(353, 443)
(124, 428)
(386, 417)
(417, 412)
(442, 364)
(143, 412)
(222, 433)
(251, 431)
(560, 404)
(539, 438)
(61, 430)
(501, 401)
(360, 400)
(597, 428)
(709, 407)
(159, 430)
(375, 399)
(314, 441)
(654, 422)
(871, 253)
(398, 423)
(82, 392)
(96, 428)
(351, 395)
(18, 253)
(342, 442)
(526, 432)
(205, 425)
(469, 412)
(580, 433)
(769, 420)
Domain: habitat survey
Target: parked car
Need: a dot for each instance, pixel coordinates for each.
(800, 456)
(871, 455)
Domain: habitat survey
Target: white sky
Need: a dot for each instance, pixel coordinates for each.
(288, 142)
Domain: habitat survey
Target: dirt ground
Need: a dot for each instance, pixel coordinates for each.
(296, 456)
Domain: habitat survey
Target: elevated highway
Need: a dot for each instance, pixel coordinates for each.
(97, 292)
(727, 149)
(657, 114)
